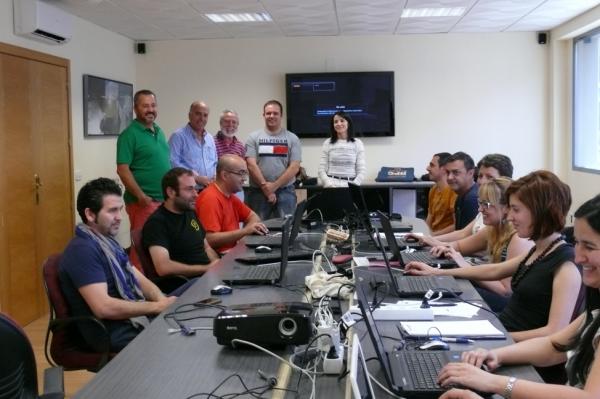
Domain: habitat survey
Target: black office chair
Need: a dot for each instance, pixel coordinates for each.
(18, 374)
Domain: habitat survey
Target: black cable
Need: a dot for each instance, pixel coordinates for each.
(254, 392)
(305, 354)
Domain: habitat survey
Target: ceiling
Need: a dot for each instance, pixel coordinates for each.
(146, 20)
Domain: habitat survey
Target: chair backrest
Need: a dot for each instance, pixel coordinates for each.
(143, 254)
(18, 377)
(59, 308)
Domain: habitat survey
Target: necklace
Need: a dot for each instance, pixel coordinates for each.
(524, 268)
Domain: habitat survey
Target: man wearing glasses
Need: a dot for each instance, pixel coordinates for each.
(173, 235)
(461, 168)
(221, 211)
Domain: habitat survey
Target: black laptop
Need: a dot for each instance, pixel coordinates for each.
(418, 286)
(274, 241)
(404, 257)
(267, 274)
(409, 373)
(358, 198)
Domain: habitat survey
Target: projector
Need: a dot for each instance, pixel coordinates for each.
(265, 324)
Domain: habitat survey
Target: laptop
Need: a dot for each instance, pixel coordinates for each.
(397, 242)
(268, 274)
(358, 198)
(359, 373)
(332, 204)
(274, 241)
(418, 286)
(411, 374)
(405, 257)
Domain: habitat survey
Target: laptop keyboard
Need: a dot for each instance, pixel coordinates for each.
(423, 368)
(418, 284)
(424, 257)
(263, 272)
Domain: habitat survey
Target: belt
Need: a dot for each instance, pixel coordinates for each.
(342, 177)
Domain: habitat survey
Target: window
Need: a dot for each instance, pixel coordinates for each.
(586, 102)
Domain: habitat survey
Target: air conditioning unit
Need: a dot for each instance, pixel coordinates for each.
(38, 20)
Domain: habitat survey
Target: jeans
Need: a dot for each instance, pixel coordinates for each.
(285, 205)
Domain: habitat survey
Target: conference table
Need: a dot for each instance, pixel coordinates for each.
(159, 364)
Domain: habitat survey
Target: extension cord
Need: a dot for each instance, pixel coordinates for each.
(336, 235)
(334, 365)
(325, 342)
(403, 310)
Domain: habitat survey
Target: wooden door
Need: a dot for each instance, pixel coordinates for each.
(37, 201)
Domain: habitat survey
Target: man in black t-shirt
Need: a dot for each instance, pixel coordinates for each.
(461, 168)
(173, 235)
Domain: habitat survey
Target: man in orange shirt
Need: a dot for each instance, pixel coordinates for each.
(221, 212)
(440, 214)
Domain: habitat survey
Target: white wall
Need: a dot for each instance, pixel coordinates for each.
(479, 93)
(92, 50)
(584, 185)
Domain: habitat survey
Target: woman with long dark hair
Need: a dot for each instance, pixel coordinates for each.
(577, 344)
(342, 155)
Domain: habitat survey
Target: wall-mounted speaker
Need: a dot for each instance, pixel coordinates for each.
(140, 48)
(542, 38)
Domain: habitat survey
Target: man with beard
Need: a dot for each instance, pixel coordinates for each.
(221, 212)
(173, 235)
(460, 168)
(226, 141)
(193, 148)
(96, 276)
(142, 160)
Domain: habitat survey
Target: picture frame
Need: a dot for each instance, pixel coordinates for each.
(107, 106)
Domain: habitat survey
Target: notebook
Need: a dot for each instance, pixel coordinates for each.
(359, 373)
(358, 198)
(268, 274)
(417, 286)
(421, 256)
(412, 374)
(274, 241)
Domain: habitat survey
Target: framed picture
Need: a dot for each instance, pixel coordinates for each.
(107, 106)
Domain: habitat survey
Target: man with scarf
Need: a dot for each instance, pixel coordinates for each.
(96, 276)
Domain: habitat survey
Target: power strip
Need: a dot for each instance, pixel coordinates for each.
(399, 311)
(336, 235)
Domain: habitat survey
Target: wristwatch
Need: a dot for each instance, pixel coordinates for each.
(508, 389)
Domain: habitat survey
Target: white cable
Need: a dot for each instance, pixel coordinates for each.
(315, 210)
(383, 387)
(268, 352)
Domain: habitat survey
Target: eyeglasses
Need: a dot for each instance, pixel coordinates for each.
(240, 173)
(485, 204)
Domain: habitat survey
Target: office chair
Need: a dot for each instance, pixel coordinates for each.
(165, 283)
(66, 346)
(18, 374)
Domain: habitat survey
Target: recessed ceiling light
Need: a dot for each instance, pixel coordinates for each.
(433, 12)
(240, 17)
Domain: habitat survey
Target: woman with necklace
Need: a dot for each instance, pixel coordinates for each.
(577, 343)
(342, 155)
(545, 281)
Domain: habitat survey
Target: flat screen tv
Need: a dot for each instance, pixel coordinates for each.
(313, 98)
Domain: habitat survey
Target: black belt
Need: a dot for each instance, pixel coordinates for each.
(342, 177)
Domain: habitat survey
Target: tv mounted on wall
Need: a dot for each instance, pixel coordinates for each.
(313, 98)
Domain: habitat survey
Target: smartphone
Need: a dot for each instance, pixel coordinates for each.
(209, 301)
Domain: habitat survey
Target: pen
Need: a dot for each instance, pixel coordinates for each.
(458, 340)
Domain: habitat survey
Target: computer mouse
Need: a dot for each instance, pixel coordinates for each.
(263, 249)
(411, 239)
(435, 345)
(221, 289)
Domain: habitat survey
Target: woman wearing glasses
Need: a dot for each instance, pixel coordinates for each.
(342, 155)
(498, 239)
(577, 344)
(545, 281)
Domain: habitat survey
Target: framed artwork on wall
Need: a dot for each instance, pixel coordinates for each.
(107, 106)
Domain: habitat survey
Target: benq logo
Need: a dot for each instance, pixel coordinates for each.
(232, 328)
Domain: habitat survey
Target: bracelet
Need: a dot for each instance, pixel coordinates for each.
(508, 389)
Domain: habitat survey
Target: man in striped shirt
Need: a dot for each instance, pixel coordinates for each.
(226, 140)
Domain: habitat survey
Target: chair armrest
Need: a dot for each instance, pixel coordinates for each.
(54, 383)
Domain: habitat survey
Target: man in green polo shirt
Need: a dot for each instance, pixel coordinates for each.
(142, 161)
